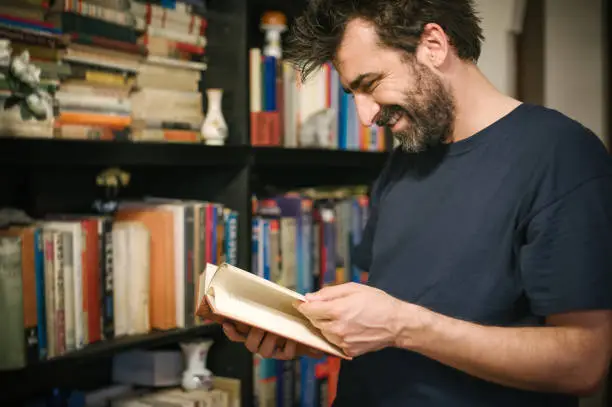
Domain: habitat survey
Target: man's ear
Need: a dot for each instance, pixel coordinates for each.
(434, 46)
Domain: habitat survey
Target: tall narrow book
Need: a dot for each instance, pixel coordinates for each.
(244, 297)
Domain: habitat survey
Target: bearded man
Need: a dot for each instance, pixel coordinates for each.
(489, 241)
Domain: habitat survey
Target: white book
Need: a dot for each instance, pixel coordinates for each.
(241, 296)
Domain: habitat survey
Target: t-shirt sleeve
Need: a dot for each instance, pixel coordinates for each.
(566, 258)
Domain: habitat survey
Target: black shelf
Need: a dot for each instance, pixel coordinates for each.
(90, 364)
(62, 153)
(276, 169)
(142, 341)
(279, 157)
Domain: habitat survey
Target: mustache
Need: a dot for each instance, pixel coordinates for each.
(387, 112)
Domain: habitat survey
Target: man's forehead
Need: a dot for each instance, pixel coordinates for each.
(356, 54)
(359, 40)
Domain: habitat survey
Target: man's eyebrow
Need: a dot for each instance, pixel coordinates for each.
(357, 83)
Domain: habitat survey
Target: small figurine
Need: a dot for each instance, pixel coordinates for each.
(317, 128)
(273, 23)
(23, 79)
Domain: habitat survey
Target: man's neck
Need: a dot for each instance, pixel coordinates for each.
(478, 103)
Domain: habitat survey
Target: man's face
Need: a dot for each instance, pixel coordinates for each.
(395, 90)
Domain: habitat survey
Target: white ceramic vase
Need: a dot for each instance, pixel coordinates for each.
(196, 375)
(214, 127)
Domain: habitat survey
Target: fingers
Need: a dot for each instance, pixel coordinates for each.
(214, 318)
(206, 313)
(242, 328)
(333, 292)
(203, 310)
(319, 310)
(269, 345)
(232, 333)
(254, 339)
(288, 351)
(266, 344)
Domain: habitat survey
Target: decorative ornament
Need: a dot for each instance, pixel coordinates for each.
(111, 180)
(214, 127)
(24, 79)
(273, 23)
(196, 374)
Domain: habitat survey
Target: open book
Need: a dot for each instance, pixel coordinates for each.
(241, 296)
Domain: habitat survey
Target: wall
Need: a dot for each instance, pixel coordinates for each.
(497, 60)
(573, 55)
(573, 62)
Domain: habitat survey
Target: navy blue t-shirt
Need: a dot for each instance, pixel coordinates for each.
(503, 228)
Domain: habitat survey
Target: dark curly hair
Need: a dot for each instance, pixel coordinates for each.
(316, 34)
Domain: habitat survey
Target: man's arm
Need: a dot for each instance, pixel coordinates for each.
(570, 355)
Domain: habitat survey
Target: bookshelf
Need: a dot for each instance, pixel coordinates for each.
(42, 176)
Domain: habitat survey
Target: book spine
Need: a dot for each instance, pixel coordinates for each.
(231, 231)
(49, 294)
(285, 383)
(59, 295)
(30, 312)
(39, 270)
(321, 373)
(12, 350)
(307, 382)
(69, 298)
(108, 323)
(190, 243)
(255, 246)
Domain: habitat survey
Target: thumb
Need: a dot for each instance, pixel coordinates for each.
(333, 292)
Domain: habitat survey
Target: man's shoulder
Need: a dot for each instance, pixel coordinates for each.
(561, 145)
(557, 156)
(546, 129)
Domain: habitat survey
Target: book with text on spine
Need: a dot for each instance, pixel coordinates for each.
(238, 295)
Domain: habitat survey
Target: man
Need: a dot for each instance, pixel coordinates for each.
(489, 241)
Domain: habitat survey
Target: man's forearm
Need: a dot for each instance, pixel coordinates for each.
(533, 358)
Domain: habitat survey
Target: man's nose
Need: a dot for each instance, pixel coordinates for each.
(367, 109)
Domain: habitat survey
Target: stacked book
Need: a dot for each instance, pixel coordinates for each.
(167, 106)
(103, 54)
(22, 27)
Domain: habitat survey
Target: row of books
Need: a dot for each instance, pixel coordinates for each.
(303, 240)
(317, 113)
(118, 69)
(70, 280)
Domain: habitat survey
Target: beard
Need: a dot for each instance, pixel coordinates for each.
(429, 109)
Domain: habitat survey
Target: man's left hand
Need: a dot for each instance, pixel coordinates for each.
(355, 317)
